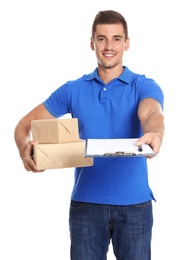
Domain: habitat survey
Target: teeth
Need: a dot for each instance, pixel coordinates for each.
(109, 55)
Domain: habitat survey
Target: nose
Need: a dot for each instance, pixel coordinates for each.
(109, 45)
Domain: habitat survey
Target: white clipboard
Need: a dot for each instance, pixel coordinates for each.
(116, 148)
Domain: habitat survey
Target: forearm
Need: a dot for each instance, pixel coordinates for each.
(23, 129)
(22, 135)
(154, 124)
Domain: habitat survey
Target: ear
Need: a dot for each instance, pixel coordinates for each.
(91, 44)
(127, 44)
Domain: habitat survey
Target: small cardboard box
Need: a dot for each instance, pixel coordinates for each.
(55, 131)
(53, 156)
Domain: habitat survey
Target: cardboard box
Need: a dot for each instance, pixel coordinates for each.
(53, 156)
(55, 131)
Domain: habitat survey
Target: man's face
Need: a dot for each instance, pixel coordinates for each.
(109, 43)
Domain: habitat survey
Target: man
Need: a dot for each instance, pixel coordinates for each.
(111, 200)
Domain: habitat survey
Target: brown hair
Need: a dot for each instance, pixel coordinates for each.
(109, 17)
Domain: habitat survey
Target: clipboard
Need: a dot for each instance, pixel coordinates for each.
(119, 147)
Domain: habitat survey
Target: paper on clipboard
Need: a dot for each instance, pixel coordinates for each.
(116, 148)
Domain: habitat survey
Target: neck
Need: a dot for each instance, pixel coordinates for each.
(108, 74)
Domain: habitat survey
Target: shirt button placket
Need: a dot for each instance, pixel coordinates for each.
(103, 95)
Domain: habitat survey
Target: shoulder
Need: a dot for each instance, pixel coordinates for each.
(146, 87)
(81, 81)
(132, 78)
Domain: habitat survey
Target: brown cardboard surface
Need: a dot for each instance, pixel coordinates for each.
(66, 155)
(54, 131)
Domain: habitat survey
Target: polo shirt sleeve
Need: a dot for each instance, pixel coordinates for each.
(148, 88)
(56, 103)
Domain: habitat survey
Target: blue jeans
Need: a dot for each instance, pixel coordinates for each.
(93, 226)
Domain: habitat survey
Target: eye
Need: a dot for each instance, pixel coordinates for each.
(117, 39)
(101, 39)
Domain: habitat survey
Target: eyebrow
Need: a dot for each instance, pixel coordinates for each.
(115, 36)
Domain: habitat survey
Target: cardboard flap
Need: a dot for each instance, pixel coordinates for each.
(55, 130)
(51, 156)
(43, 160)
(68, 125)
(68, 129)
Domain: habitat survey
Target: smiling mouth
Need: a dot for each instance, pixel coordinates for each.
(108, 55)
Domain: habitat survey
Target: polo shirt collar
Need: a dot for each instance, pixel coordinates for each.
(126, 76)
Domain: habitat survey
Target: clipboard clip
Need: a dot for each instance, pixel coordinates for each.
(119, 153)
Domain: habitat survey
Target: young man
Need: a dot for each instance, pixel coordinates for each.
(110, 200)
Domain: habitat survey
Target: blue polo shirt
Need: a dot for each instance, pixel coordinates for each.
(108, 111)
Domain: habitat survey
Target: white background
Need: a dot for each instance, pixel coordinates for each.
(42, 45)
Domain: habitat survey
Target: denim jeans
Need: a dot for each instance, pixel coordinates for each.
(93, 226)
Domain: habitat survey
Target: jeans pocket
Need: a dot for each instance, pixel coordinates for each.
(143, 204)
(76, 204)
